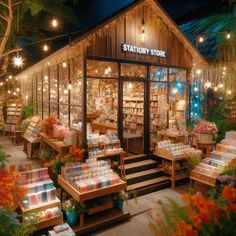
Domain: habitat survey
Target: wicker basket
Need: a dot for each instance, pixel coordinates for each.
(205, 138)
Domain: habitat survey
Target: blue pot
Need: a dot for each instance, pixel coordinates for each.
(71, 218)
(119, 204)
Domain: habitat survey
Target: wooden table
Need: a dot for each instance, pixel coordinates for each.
(102, 127)
(172, 172)
(208, 147)
(100, 219)
(127, 137)
(57, 146)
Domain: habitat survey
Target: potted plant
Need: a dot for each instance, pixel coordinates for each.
(122, 197)
(49, 123)
(3, 159)
(45, 155)
(72, 210)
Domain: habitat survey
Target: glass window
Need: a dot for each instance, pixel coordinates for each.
(76, 117)
(177, 75)
(158, 110)
(63, 83)
(53, 84)
(178, 105)
(34, 94)
(131, 70)
(63, 114)
(158, 73)
(102, 104)
(39, 94)
(45, 94)
(53, 108)
(102, 69)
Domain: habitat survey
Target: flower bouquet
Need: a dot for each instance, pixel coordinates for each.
(49, 123)
(205, 130)
(76, 153)
(201, 216)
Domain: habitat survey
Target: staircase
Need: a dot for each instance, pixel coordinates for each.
(143, 176)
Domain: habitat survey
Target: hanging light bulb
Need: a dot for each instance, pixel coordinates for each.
(65, 91)
(195, 89)
(1, 84)
(69, 86)
(10, 77)
(143, 30)
(14, 93)
(45, 48)
(44, 90)
(224, 68)
(26, 97)
(207, 84)
(215, 89)
(229, 92)
(220, 85)
(18, 61)
(9, 91)
(54, 23)
(64, 64)
(228, 35)
(45, 77)
(18, 90)
(200, 39)
(6, 80)
(96, 71)
(79, 83)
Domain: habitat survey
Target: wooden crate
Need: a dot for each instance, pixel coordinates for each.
(57, 220)
(203, 178)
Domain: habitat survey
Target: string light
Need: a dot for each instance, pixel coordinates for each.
(215, 89)
(9, 91)
(14, 93)
(220, 85)
(228, 35)
(65, 91)
(229, 92)
(26, 97)
(45, 77)
(10, 77)
(18, 90)
(200, 39)
(195, 89)
(198, 71)
(18, 61)
(64, 65)
(224, 68)
(1, 84)
(207, 84)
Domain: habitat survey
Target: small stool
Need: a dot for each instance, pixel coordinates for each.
(206, 148)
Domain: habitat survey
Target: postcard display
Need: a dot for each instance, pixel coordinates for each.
(14, 113)
(41, 197)
(210, 168)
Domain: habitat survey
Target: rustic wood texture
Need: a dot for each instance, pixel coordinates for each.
(127, 29)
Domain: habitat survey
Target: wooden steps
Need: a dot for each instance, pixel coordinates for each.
(148, 183)
(143, 175)
(137, 166)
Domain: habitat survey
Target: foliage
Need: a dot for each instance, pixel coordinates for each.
(3, 158)
(10, 224)
(192, 161)
(201, 216)
(25, 124)
(27, 110)
(124, 196)
(72, 205)
(10, 192)
(45, 154)
(230, 168)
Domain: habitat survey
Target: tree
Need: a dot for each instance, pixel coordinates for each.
(20, 15)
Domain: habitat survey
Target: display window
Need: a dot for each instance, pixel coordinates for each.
(53, 85)
(45, 94)
(132, 70)
(177, 75)
(158, 109)
(102, 104)
(102, 69)
(63, 83)
(64, 114)
(158, 73)
(34, 94)
(39, 94)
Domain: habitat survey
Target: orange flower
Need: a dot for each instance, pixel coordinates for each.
(196, 220)
(233, 207)
(229, 193)
(184, 229)
(205, 215)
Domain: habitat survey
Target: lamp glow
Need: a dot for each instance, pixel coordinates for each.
(18, 61)
(65, 91)
(174, 90)
(18, 90)
(220, 85)
(195, 89)
(64, 64)
(207, 84)
(215, 89)
(228, 35)
(229, 92)
(54, 23)
(198, 71)
(45, 48)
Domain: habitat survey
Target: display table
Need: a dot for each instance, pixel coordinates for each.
(98, 220)
(207, 147)
(127, 137)
(29, 147)
(57, 146)
(175, 138)
(205, 179)
(173, 177)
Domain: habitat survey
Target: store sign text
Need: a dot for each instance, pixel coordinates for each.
(143, 51)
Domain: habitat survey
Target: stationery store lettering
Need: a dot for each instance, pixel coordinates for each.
(141, 50)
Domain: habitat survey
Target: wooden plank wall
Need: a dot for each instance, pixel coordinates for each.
(126, 28)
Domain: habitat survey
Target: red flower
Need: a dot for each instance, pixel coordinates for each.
(229, 193)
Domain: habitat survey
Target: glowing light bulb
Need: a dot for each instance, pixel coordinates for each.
(215, 89)
(79, 83)
(229, 92)
(9, 91)
(220, 85)
(143, 32)
(10, 77)
(195, 89)
(198, 71)
(54, 23)
(45, 48)
(207, 84)
(106, 71)
(18, 61)
(228, 35)
(174, 91)
(1, 84)
(64, 64)
(224, 68)
(96, 71)
(14, 93)
(201, 39)
(18, 90)
(69, 86)
(26, 97)
(65, 91)
(45, 77)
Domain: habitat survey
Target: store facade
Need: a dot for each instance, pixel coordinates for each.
(129, 76)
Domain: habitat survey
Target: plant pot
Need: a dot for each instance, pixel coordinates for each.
(205, 138)
(119, 205)
(71, 218)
